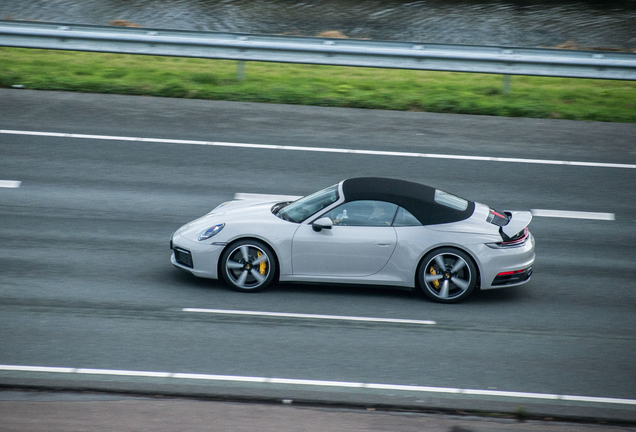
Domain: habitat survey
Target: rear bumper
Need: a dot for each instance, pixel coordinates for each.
(512, 278)
(508, 267)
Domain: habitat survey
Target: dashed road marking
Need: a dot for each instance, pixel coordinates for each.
(10, 184)
(573, 214)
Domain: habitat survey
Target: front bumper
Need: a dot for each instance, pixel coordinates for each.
(199, 258)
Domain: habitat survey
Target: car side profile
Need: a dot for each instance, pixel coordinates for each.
(368, 230)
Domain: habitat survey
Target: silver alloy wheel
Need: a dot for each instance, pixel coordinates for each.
(447, 275)
(248, 266)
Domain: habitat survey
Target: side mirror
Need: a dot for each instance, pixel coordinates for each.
(322, 223)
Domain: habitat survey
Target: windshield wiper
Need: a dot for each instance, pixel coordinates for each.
(278, 211)
(276, 208)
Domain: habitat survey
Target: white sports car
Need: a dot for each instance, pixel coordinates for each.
(362, 230)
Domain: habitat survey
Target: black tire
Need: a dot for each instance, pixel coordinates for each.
(248, 266)
(452, 283)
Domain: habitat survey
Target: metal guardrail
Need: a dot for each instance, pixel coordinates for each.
(324, 51)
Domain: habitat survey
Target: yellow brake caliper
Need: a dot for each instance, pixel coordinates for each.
(262, 267)
(435, 282)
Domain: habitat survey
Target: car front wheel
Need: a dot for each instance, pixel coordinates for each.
(447, 275)
(248, 266)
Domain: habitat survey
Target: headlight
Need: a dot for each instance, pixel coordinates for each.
(211, 231)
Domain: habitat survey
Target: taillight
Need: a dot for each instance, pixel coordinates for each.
(517, 240)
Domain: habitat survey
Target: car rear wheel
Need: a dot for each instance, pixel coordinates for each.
(248, 266)
(447, 275)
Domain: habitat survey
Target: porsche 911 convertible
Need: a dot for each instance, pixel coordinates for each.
(373, 231)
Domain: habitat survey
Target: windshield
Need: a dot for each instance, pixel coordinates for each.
(301, 209)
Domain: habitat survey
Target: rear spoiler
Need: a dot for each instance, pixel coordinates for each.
(518, 221)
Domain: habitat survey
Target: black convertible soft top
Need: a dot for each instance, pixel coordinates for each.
(417, 198)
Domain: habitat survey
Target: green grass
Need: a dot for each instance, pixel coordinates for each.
(406, 90)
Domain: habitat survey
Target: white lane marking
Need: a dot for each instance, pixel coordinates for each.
(311, 316)
(38, 369)
(10, 184)
(248, 196)
(321, 383)
(321, 149)
(123, 373)
(572, 214)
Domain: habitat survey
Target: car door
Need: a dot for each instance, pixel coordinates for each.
(360, 242)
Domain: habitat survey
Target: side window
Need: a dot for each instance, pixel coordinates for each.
(363, 213)
(404, 218)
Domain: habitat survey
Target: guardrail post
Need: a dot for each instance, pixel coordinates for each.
(505, 84)
(240, 70)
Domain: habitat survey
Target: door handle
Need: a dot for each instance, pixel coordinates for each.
(381, 244)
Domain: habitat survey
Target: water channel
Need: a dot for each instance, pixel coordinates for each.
(529, 23)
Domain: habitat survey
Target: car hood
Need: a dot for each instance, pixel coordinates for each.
(246, 200)
(248, 210)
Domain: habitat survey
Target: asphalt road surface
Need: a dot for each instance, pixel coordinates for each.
(86, 285)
